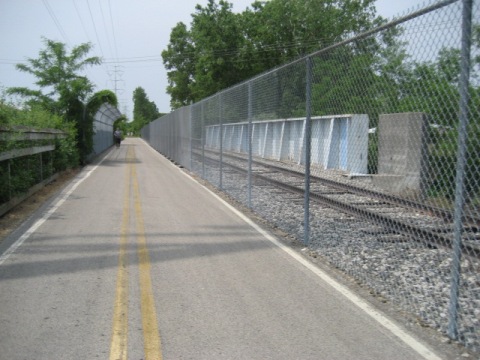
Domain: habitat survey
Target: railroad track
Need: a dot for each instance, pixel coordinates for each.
(363, 203)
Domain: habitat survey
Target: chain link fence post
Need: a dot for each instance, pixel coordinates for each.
(249, 145)
(307, 146)
(220, 120)
(461, 165)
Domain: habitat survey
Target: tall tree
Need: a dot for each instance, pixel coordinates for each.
(203, 60)
(57, 73)
(179, 60)
(216, 35)
(63, 91)
(144, 110)
(222, 48)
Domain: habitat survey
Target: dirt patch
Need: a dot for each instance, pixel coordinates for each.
(16, 216)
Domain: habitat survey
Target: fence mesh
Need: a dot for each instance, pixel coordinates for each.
(103, 121)
(383, 130)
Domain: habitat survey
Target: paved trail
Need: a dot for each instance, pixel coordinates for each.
(134, 260)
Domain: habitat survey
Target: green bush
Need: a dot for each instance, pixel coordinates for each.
(19, 174)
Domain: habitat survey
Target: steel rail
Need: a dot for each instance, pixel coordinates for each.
(393, 225)
(391, 199)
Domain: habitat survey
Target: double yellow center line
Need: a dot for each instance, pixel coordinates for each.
(151, 337)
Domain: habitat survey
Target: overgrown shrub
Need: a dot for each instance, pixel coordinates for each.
(19, 174)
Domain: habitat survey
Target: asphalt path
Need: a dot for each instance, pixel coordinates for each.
(136, 260)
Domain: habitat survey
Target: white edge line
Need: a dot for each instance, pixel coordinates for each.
(356, 300)
(421, 349)
(53, 208)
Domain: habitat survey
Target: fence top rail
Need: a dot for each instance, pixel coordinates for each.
(16, 153)
(324, 117)
(19, 132)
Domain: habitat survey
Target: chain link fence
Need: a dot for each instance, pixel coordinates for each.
(103, 121)
(368, 152)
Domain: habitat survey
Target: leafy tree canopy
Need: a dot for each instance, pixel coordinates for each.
(57, 73)
(181, 64)
(101, 97)
(222, 48)
(144, 110)
(63, 90)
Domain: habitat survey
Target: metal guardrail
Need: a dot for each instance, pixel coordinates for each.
(37, 157)
(42, 164)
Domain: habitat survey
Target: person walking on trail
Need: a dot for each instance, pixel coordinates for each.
(117, 134)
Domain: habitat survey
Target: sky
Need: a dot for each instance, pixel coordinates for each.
(128, 35)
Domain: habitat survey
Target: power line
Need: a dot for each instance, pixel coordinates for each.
(130, 60)
(113, 30)
(95, 28)
(55, 20)
(98, 39)
(81, 21)
(105, 27)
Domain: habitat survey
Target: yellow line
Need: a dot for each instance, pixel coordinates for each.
(151, 337)
(152, 344)
(118, 347)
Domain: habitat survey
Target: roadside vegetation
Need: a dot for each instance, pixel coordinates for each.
(64, 101)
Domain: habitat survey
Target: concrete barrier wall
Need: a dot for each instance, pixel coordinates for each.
(402, 153)
(338, 142)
